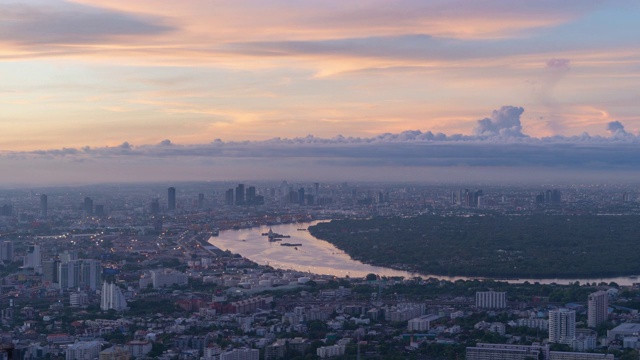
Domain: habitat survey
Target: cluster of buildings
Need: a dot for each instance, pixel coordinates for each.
(100, 262)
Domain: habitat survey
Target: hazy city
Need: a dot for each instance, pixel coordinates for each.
(383, 179)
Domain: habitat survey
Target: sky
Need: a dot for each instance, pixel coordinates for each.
(424, 90)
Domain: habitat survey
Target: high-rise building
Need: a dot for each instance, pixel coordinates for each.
(171, 195)
(50, 271)
(88, 206)
(228, 197)
(301, 196)
(491, 300)
(598, 304)
(200, 201)
(69, 274)
(84, 273)
(251, 195)
(155, 206)
(240, 194)
(33, 259)
(112, 297)
(43, 206)
(476, 198)
(562, 326)
(6, 251)
(91, 274)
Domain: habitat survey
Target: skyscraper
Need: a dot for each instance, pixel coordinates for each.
(562, 326)
(240, 194)
(6, 251)
(228, 197)
(69, 274)
(171, 192)
(88, 206)
(112, 298)
(155, 207)
(43, 206)
(251, 195)
(598, 303)
(84, 273)
(200, 201)
(33, 259)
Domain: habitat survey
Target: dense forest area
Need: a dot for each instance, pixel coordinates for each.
(536, 246)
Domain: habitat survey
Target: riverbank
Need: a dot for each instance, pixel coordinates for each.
(535, 247)
(320, 257)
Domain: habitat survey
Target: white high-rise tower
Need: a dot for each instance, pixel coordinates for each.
(562, 326)
(598, 308)
(112, 297)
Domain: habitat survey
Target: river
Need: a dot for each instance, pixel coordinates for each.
(320, 257)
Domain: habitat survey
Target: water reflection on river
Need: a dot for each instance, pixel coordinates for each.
(320, 257)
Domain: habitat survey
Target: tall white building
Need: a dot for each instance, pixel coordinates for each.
(33, 259)
(112, 298)
(598, 304)
(562, 326)
(491, 300)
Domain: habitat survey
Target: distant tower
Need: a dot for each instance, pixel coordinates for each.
(43, 206)
(562, 326)
(200, 201)
(301, 196)
(228, 197)
(6, 251)
(240, 194)
(33, 259)
(172, 198)
(598, 305)
(155, 207)
(88, 206)
(251, 195)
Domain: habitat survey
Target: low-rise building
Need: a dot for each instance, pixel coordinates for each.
(329, 351)
(84, 350)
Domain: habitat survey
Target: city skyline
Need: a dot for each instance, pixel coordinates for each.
(434, 91)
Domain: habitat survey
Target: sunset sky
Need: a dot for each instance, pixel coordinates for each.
(165, 90)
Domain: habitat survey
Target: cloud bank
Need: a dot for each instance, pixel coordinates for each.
(498, 151)
(497, 141)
